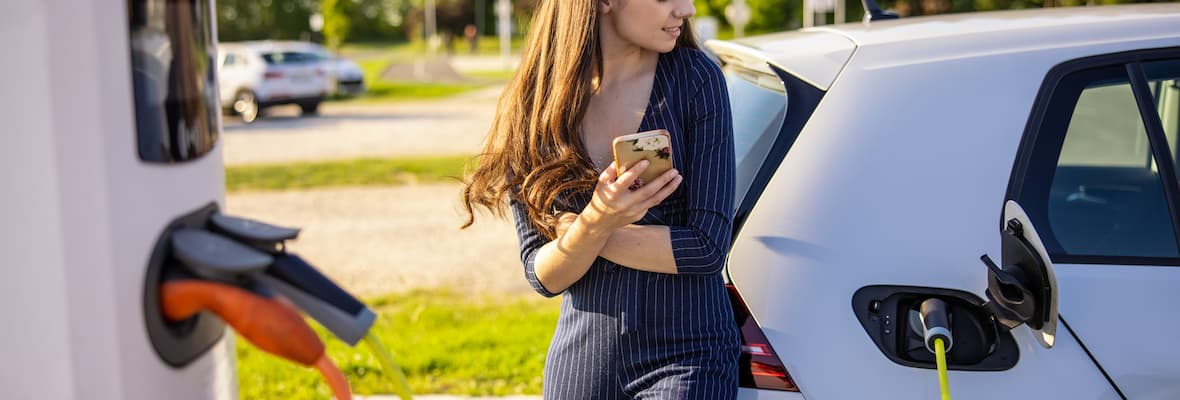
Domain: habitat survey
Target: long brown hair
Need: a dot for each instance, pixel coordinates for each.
(535, 142)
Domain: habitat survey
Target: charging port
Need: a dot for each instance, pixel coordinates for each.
(891, 315)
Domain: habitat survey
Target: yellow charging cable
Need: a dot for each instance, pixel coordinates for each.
(940, 358)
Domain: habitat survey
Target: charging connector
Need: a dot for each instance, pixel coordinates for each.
(936, 323)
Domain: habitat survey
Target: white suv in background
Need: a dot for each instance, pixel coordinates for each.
(879, 162)
(256, 75)
(345, 78)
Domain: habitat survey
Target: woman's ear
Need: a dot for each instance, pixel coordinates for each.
(605, 6)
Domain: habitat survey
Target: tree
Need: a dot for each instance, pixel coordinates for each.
(451, 17)
(378, 20)
(263, 19)
(713, 8)
(773, 15)
(337, 21)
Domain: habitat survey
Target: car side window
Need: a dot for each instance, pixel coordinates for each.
(1107, 197)
(1093, 185)
(229, 60)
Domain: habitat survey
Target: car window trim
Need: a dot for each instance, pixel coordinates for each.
(1158, 141)
(1031, 142)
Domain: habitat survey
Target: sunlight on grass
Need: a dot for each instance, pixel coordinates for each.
(445, 342)
(392, 91)
(355, 172)
(488, 46)
(381, 90)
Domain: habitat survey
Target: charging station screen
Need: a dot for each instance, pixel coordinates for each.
(173, 70)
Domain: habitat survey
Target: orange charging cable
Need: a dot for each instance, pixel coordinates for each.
(267, 323)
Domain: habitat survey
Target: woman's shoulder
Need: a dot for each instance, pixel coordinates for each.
(696, 66)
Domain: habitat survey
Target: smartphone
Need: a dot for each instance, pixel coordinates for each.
(655, 146)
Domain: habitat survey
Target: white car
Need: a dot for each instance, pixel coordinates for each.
(879, 162)
(255, 75)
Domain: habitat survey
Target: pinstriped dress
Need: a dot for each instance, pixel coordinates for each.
(630, 334)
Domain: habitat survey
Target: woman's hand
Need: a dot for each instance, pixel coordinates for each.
(615, 205)
(582, 237)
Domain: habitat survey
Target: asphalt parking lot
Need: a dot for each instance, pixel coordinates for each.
(451, 126)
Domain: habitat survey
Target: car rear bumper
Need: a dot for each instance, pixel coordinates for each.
(755, 394)
(350, 87)
(278, 92)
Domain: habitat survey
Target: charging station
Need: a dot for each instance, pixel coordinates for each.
(111, 128)
(123, 278)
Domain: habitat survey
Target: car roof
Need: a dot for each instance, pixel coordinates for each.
(1079, 22)
(271, 45)
(818, 54)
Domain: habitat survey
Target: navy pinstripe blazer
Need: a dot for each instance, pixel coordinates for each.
(621, 329)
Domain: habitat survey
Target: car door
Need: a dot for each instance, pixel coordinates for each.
(1097, 175)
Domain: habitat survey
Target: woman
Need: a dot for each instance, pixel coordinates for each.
(645, 312)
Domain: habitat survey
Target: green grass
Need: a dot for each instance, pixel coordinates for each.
(372, 68)
(355, 172)
(381, 90)
(384, 91)
(445, 342)
(488, 45)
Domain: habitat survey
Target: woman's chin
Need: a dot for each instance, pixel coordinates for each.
(664, 47)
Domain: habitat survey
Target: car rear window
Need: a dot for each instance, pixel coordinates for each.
(770, 107)
(288, 57)
(759, 104)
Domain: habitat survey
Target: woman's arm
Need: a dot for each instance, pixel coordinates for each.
(701, 245)
(564, 260)
(641, 247)
(551, 267)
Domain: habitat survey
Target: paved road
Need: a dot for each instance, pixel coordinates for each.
(346, 130)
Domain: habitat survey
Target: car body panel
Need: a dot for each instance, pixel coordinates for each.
(818, 54)
(833, 229)
(899, 178)
(1056, 26)
(1104, 305)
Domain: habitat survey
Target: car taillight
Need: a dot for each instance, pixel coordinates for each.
(272, 75)
(758, 367)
